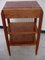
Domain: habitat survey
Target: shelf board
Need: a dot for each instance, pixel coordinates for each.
(21, 28)
(13, 43)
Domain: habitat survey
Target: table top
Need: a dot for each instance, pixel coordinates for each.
(22, 9)
(21, 4)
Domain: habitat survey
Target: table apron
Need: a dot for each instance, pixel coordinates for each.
(22, 13)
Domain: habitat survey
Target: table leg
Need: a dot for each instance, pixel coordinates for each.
(5, 31)
(39, 30)
(35, 27)
(8, 20)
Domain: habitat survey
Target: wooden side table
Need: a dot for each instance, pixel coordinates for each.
(22, 33)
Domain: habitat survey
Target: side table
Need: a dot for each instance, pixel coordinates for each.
(22, 33)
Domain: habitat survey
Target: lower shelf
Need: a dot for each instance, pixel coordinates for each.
(12, 43)
(22, 40)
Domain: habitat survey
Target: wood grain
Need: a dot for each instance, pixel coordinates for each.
(24, 9)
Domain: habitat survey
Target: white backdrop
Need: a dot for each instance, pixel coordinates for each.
(41, 2)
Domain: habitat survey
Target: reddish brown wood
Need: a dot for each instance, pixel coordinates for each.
(8, 24)
(5, 31)
(22, 28)
(22, 9)
(39, 30)
(23, 33)
(35, 21)
(26, 43)
(35, 27)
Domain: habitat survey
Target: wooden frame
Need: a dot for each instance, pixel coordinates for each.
(25, 12)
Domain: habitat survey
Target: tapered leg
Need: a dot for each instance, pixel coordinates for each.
(39, 30)
(5, 31)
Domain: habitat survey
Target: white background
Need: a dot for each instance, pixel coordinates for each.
(41, 2)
